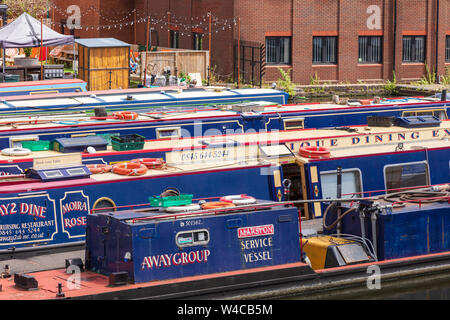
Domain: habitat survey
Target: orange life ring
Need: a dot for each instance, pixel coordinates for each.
(99, 168)
(151, 163)
(217, 205)
(314, 152)
(125, 115)
(129, 169)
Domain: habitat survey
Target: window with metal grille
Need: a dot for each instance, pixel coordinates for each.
(174, 39)
(198, 41)
(447, 49)
(325, 50)
(370, 49)
(278, 50)
(414, 49)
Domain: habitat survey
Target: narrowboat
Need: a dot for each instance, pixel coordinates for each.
(135, 99)
(189, 121)
(48, 204)
(252, 250)
(109, 148)
(42, 87)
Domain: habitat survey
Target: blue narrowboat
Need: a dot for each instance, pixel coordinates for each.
(43, 87)
(162, 98)
(154, 245)
(189, 121)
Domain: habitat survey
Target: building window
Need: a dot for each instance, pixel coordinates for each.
(198, 41)
(447, 49)
(414, 49)
(369, 49)
(325, 50)
(278, 50)
(174, 39)
(406, 175)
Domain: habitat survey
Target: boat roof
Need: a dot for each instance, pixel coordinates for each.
(49, 82)
(73, 115)
(142, 94)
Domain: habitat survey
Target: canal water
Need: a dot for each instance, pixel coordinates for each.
(435, 287)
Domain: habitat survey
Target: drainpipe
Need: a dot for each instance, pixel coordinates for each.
(395, 35)
(437, 40)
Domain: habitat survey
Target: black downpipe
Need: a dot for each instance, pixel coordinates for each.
(437, 40)
(395, 36)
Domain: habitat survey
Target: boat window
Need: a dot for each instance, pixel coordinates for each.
(53, 174)
(351, 184)
(76, 171)
(295, 123)
(192, 238)
(406, 175)
(168, 133)
(441, 114)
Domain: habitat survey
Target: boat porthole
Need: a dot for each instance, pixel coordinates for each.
(104, 202)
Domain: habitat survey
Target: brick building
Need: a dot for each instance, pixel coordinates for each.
(331, 40)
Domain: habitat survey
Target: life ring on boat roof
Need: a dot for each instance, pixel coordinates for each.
(99, 168)
(217, 205)
(239, 199)
(16, 152)
(129, 169)
(186, 208)
(150, 163)
(125, 115)
(314, 152)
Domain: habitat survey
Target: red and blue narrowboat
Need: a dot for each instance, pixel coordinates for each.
(189, 121)
(260, 249)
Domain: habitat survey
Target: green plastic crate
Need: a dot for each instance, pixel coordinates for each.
(39, 145)
(127, 142)
(171, 201)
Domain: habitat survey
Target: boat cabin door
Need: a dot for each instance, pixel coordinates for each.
(294, 184)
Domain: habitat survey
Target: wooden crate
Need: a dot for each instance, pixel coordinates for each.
(104, 63)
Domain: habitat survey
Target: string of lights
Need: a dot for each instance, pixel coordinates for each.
(181, 25)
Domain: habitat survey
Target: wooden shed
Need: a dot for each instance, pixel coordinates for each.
(104, 63)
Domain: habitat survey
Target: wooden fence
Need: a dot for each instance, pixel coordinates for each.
(178, 60)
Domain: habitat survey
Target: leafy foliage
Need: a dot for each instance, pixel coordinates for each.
(35, 8)
(285, 83)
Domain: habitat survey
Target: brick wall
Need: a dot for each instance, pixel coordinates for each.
(300, 19)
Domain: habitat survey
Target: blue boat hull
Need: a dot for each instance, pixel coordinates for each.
(56, 214)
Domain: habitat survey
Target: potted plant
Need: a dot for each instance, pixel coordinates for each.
(27, 61)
